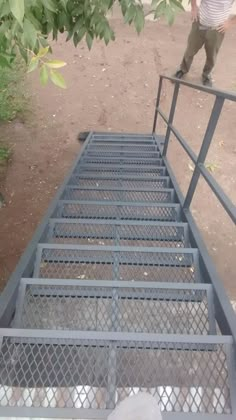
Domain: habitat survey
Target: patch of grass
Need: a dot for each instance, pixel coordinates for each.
(12, 91)
(5, 154)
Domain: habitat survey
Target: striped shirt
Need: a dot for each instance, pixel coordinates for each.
(213, 13)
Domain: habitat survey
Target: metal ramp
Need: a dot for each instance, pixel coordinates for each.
(116, 293)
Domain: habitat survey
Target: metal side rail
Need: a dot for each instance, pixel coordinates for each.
(113, 297)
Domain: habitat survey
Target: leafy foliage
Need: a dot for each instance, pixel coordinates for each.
(25, 26)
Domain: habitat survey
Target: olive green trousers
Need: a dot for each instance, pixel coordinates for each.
(211, 39)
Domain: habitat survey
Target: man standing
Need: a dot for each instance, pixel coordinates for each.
(210, 22)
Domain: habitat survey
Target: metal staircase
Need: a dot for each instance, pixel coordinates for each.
(116, 293)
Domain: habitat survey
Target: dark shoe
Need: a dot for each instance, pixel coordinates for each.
(179, 74)
(206, 81)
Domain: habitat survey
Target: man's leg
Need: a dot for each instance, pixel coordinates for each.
(213, 43)
(196, 40)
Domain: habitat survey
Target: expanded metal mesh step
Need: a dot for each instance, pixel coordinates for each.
(116, 263)
(130, 170)
(125, 136)
(129, 144)
(161, 196)
(126, 141)
(124, 151)
(129, 233)
(117, 188)
(105, 306)
(119, 182)
(91, 160)
(118, 211)
(52, 371)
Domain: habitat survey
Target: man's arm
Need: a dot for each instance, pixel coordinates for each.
(194, 10)
(227, 24)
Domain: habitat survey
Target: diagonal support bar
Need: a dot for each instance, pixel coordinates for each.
(215, 114)
(157, 105)
(171, 118)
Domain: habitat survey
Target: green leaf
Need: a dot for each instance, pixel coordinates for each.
(17, 8)
(44, 75)
(78, 36)
(89, 41)
(37, 24)
(139, 19)
(78, 25)
(64, 3)
(33, 64)
(100, 28)
(62, 20)
(23, 54)
(44, 43)
(107, 35)
(29, 34)
(49, 4)
(160, 10)
(42, 52)
(130, 14)
(15, 28)
(57, 79)
(5, 9)
(124, 7)
(55, 64)
(177, 4)
(169, 14)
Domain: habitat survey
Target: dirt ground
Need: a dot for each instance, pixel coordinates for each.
(113, 89)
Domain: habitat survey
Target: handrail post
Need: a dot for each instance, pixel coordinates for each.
(171, 118)
(215, 114)
(157, 104)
